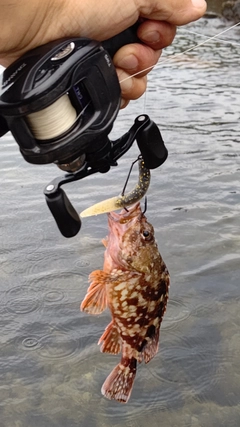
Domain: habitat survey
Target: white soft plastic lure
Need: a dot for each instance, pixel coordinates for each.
(124, 200)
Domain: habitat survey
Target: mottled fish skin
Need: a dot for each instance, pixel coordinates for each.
(134, 285)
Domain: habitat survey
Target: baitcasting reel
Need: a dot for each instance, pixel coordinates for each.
(60, 101)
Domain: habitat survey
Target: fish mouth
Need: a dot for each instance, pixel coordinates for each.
(119, 223)
(125, 215)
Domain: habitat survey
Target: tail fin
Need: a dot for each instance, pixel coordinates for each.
(119, 383)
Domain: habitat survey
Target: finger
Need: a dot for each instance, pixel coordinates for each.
(124, 103)
(131, 87)
(134, 58)
(156, 34)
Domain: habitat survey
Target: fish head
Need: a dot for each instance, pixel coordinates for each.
(131, 243)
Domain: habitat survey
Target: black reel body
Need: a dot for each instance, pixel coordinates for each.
(60, 101)
(80, 68)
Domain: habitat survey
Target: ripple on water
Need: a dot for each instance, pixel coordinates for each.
(57, 345)
(188, 363)
(82, 263)
(30, 343)
(58, 286)
(177, 311)
(54, 296)
(62, 344)
(21, 300)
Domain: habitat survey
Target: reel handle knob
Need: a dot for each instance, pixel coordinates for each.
(3, 126)
(151, 145)
(66, 217)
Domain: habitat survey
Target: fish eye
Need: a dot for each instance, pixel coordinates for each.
(147, 235)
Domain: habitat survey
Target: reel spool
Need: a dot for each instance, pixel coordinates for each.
(53, 121)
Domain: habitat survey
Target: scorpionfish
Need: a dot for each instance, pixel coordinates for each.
(134, 285)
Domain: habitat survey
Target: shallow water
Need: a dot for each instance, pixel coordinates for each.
(51, 369)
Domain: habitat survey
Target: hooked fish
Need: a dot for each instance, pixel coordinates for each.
(134, 285)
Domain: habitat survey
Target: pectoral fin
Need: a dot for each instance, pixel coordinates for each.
(95, 300)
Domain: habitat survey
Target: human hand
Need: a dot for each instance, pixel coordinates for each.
(40, 21)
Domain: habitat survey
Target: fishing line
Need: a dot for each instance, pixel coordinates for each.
(145, 206)
(169, 59)
(129, 173)
(203, 35)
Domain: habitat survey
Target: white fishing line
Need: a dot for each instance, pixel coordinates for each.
(227, 41)
(53, 120)
(170, 58)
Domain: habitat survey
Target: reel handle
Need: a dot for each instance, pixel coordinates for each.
(3, 126)
(151, 146)
(66, 217)
(127, 36)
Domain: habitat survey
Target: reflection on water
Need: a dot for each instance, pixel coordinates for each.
(51, 369)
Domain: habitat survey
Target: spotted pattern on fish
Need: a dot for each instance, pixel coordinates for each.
(134, 285)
